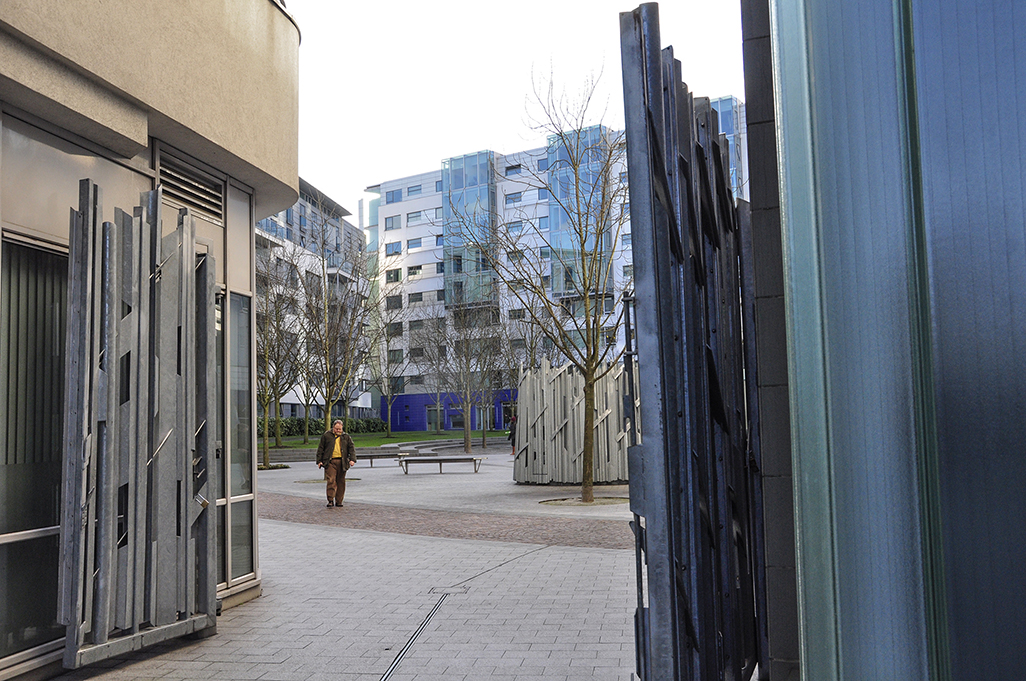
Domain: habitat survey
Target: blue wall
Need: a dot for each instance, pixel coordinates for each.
(410, 412)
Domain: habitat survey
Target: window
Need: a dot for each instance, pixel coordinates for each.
(626, 239)
(439, 214)
(413, 271)
(439, 240)
(415, 216)
(515, 256)
(518, 344)
(413, 243)
(440, 323)
(440, 267)
(288, 216)
(623, 176)
(543, 222)
(516, 313)
(395, 356)
(610, 336)
(515, 227)
(413, 190)
(416, 325)
(397, 383)
(544, 253)
(513, 170)
(394, 196)
(416, 353)
(457, 264)
(628, 271)
(415, 298)
(394, 248)
(440, 294)
(438, 185)
(393, 276)
(392, 222)
(416, 380)
(394, 302)
(513, 198)
(394, 329)
(543, 164)
(543, 193)
(546, 281)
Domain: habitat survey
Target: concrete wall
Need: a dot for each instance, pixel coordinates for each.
(217, 80)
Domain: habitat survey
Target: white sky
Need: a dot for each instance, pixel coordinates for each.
(389, 88)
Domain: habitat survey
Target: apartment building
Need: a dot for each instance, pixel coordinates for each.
(315, 237)
(475, 236)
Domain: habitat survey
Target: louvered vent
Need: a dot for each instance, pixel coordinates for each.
(186, 187)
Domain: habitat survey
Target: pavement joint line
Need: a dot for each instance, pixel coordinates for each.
(505, 562)
(409, 644)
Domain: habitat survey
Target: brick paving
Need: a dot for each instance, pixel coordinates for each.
(602, 534)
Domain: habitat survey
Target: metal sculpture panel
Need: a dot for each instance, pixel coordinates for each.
(694, 476)
(137, 552)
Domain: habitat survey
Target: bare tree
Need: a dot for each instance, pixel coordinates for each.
(561, 273)
(338, 304)
(277, 325)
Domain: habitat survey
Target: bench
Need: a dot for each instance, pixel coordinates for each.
(405, 461)
(370, 456)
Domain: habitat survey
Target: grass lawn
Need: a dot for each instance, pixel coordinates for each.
(378, 439)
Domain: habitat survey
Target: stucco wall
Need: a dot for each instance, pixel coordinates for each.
(218, 80)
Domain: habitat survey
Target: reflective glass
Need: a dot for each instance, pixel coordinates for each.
(242, 538)
(28, 594)
(240, 415)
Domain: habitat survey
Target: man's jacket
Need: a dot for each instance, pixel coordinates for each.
(326, 447)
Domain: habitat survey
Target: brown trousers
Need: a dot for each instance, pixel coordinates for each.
(335, 474)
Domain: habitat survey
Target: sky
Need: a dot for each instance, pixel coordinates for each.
(390, 88)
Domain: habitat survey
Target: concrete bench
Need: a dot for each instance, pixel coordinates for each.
(405, 461)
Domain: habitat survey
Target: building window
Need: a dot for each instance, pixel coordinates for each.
(413, 243)
(610, 336)
(416, 325)
(628, 271)
(415, 298)
(515, 256)
(419, 379)
(543, 223)
(413, 271)
(413, 190)
(518, 344)
(440, 295)
(394, 302)
(440, 267)
(288, 216)
(515, 227)
(517, 313)
(415, 216)
(394, 196)
(396, 383)
(439, 240)
(438, 185)
(394, 248)
(543, 164)
(416, 353)
(513, 170)
(546, 281)
(513, 198)
(623, 176)
(544, 253)
(394, 329)
(439, 214)
(543, 193)
(626, 239)
(393, 276)
(392, 223)
(395, 356)
(457, 264)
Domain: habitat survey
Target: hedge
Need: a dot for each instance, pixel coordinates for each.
(292, 426)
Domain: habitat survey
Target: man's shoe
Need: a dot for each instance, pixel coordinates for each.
(339, 505)
(330, 504)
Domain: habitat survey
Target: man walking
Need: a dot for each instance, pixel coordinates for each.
(335, 454)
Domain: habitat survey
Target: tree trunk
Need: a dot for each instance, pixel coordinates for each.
(588, 455)
(267, 453)
(277, 421)
(388, 421)
(484, 427)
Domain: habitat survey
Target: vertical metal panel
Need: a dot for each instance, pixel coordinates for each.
(692, 485)
(134, 395)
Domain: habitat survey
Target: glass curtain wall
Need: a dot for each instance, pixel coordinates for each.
(468, 186)
(33, 287)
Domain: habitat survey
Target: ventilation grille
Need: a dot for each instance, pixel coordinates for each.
(186, 187)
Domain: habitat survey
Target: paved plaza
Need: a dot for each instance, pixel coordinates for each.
(425, 576)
